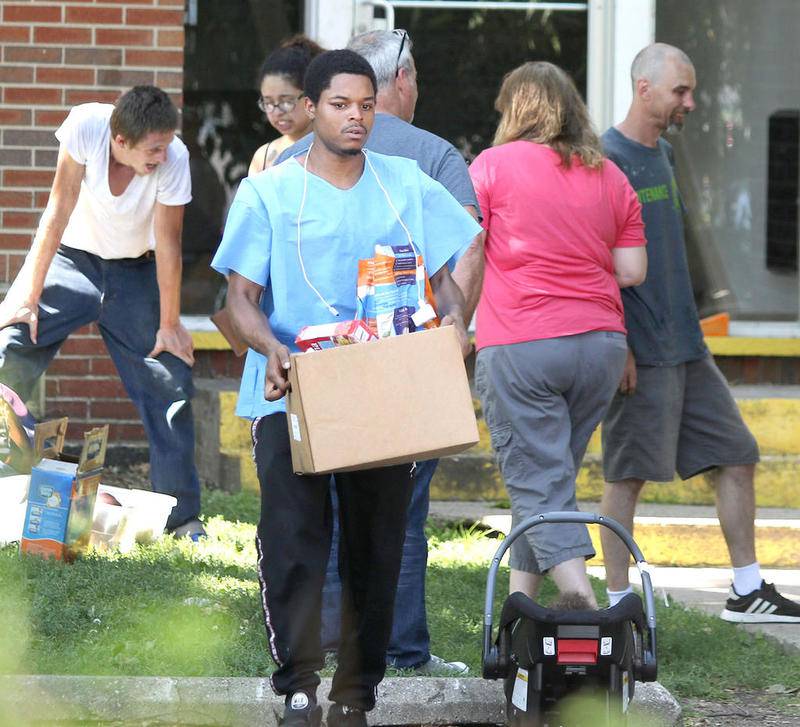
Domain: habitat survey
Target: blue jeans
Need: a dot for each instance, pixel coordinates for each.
(409, 645)
(122, 297)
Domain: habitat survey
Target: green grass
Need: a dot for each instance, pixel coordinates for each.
(175, 608)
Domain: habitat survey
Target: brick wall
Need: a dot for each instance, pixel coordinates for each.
(217, 365)
(54, 55)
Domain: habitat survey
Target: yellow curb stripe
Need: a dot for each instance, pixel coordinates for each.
(718, 345)
(693, 546)
(701, 542)
(209, 341)
(742, 346)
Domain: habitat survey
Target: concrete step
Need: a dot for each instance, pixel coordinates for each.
(772, 412)
(668, 535)
(245, 701)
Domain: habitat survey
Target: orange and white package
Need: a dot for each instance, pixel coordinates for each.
(394, 292)
(329, 335)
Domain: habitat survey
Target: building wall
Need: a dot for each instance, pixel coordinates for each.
(55, 55)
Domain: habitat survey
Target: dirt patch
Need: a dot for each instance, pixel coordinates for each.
(744, 708)
(128, 475)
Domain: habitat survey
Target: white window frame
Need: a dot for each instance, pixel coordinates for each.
(618, 29)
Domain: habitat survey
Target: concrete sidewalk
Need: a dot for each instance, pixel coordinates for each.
(707, 589)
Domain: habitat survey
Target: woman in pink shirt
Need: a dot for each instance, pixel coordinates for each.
(564, 233)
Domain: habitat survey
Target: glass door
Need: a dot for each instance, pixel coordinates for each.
(463, 48)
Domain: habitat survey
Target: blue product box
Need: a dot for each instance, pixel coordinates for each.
(61, 499)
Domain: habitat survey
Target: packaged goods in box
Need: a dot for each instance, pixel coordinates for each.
(328, 335)
(394, 400)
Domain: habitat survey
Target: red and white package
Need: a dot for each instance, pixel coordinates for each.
(329, 335)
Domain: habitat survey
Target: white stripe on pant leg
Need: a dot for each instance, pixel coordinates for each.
(267, 621)
(271, 637)
(254, 439)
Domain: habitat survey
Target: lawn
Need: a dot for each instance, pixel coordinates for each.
(175, 608)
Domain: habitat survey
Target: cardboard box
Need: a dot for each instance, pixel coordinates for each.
(62, 494)
(380, 403)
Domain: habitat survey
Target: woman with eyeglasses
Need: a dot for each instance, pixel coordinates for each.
(281, 88)
(564, 234)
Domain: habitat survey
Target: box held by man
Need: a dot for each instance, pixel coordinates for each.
(380, 403)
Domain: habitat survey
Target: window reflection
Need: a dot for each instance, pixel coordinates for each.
(462, 56)
(747, 70)
(222, 126)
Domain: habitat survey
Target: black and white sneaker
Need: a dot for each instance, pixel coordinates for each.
(764, 605)
(301, 711)
(340, 715)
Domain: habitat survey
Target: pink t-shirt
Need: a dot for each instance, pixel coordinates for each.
(550, 232)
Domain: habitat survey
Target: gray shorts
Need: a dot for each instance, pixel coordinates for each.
(541, 401)
(680, 418)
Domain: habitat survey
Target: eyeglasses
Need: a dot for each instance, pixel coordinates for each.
(286, 106)
(403, 35)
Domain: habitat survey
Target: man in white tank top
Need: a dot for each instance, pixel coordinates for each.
(108, 251)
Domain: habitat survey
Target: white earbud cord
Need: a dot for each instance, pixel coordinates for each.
(331, 309)
(420, 283)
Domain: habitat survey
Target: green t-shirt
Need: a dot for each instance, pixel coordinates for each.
(660, 314)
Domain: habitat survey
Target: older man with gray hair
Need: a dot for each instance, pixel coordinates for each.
(674, 410)
(389, 54)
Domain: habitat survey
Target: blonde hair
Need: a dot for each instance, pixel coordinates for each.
(538, 102)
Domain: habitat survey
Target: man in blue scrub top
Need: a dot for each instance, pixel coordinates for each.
(389, 54)
(291, 245)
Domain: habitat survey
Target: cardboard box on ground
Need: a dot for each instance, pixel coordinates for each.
(62, 492)
(385, 402)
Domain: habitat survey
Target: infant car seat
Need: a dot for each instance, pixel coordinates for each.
(545, 654)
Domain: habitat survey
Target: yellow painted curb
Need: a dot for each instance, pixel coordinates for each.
(234, 432)
(477, 478)
(209, 341)
(689, 545)
(743, 346)
(718, 345)
(703, 545)
(774, 422)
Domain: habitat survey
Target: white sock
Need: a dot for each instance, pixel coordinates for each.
(614, 597)
(747, 579)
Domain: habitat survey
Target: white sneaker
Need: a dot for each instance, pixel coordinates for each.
(438, 667)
